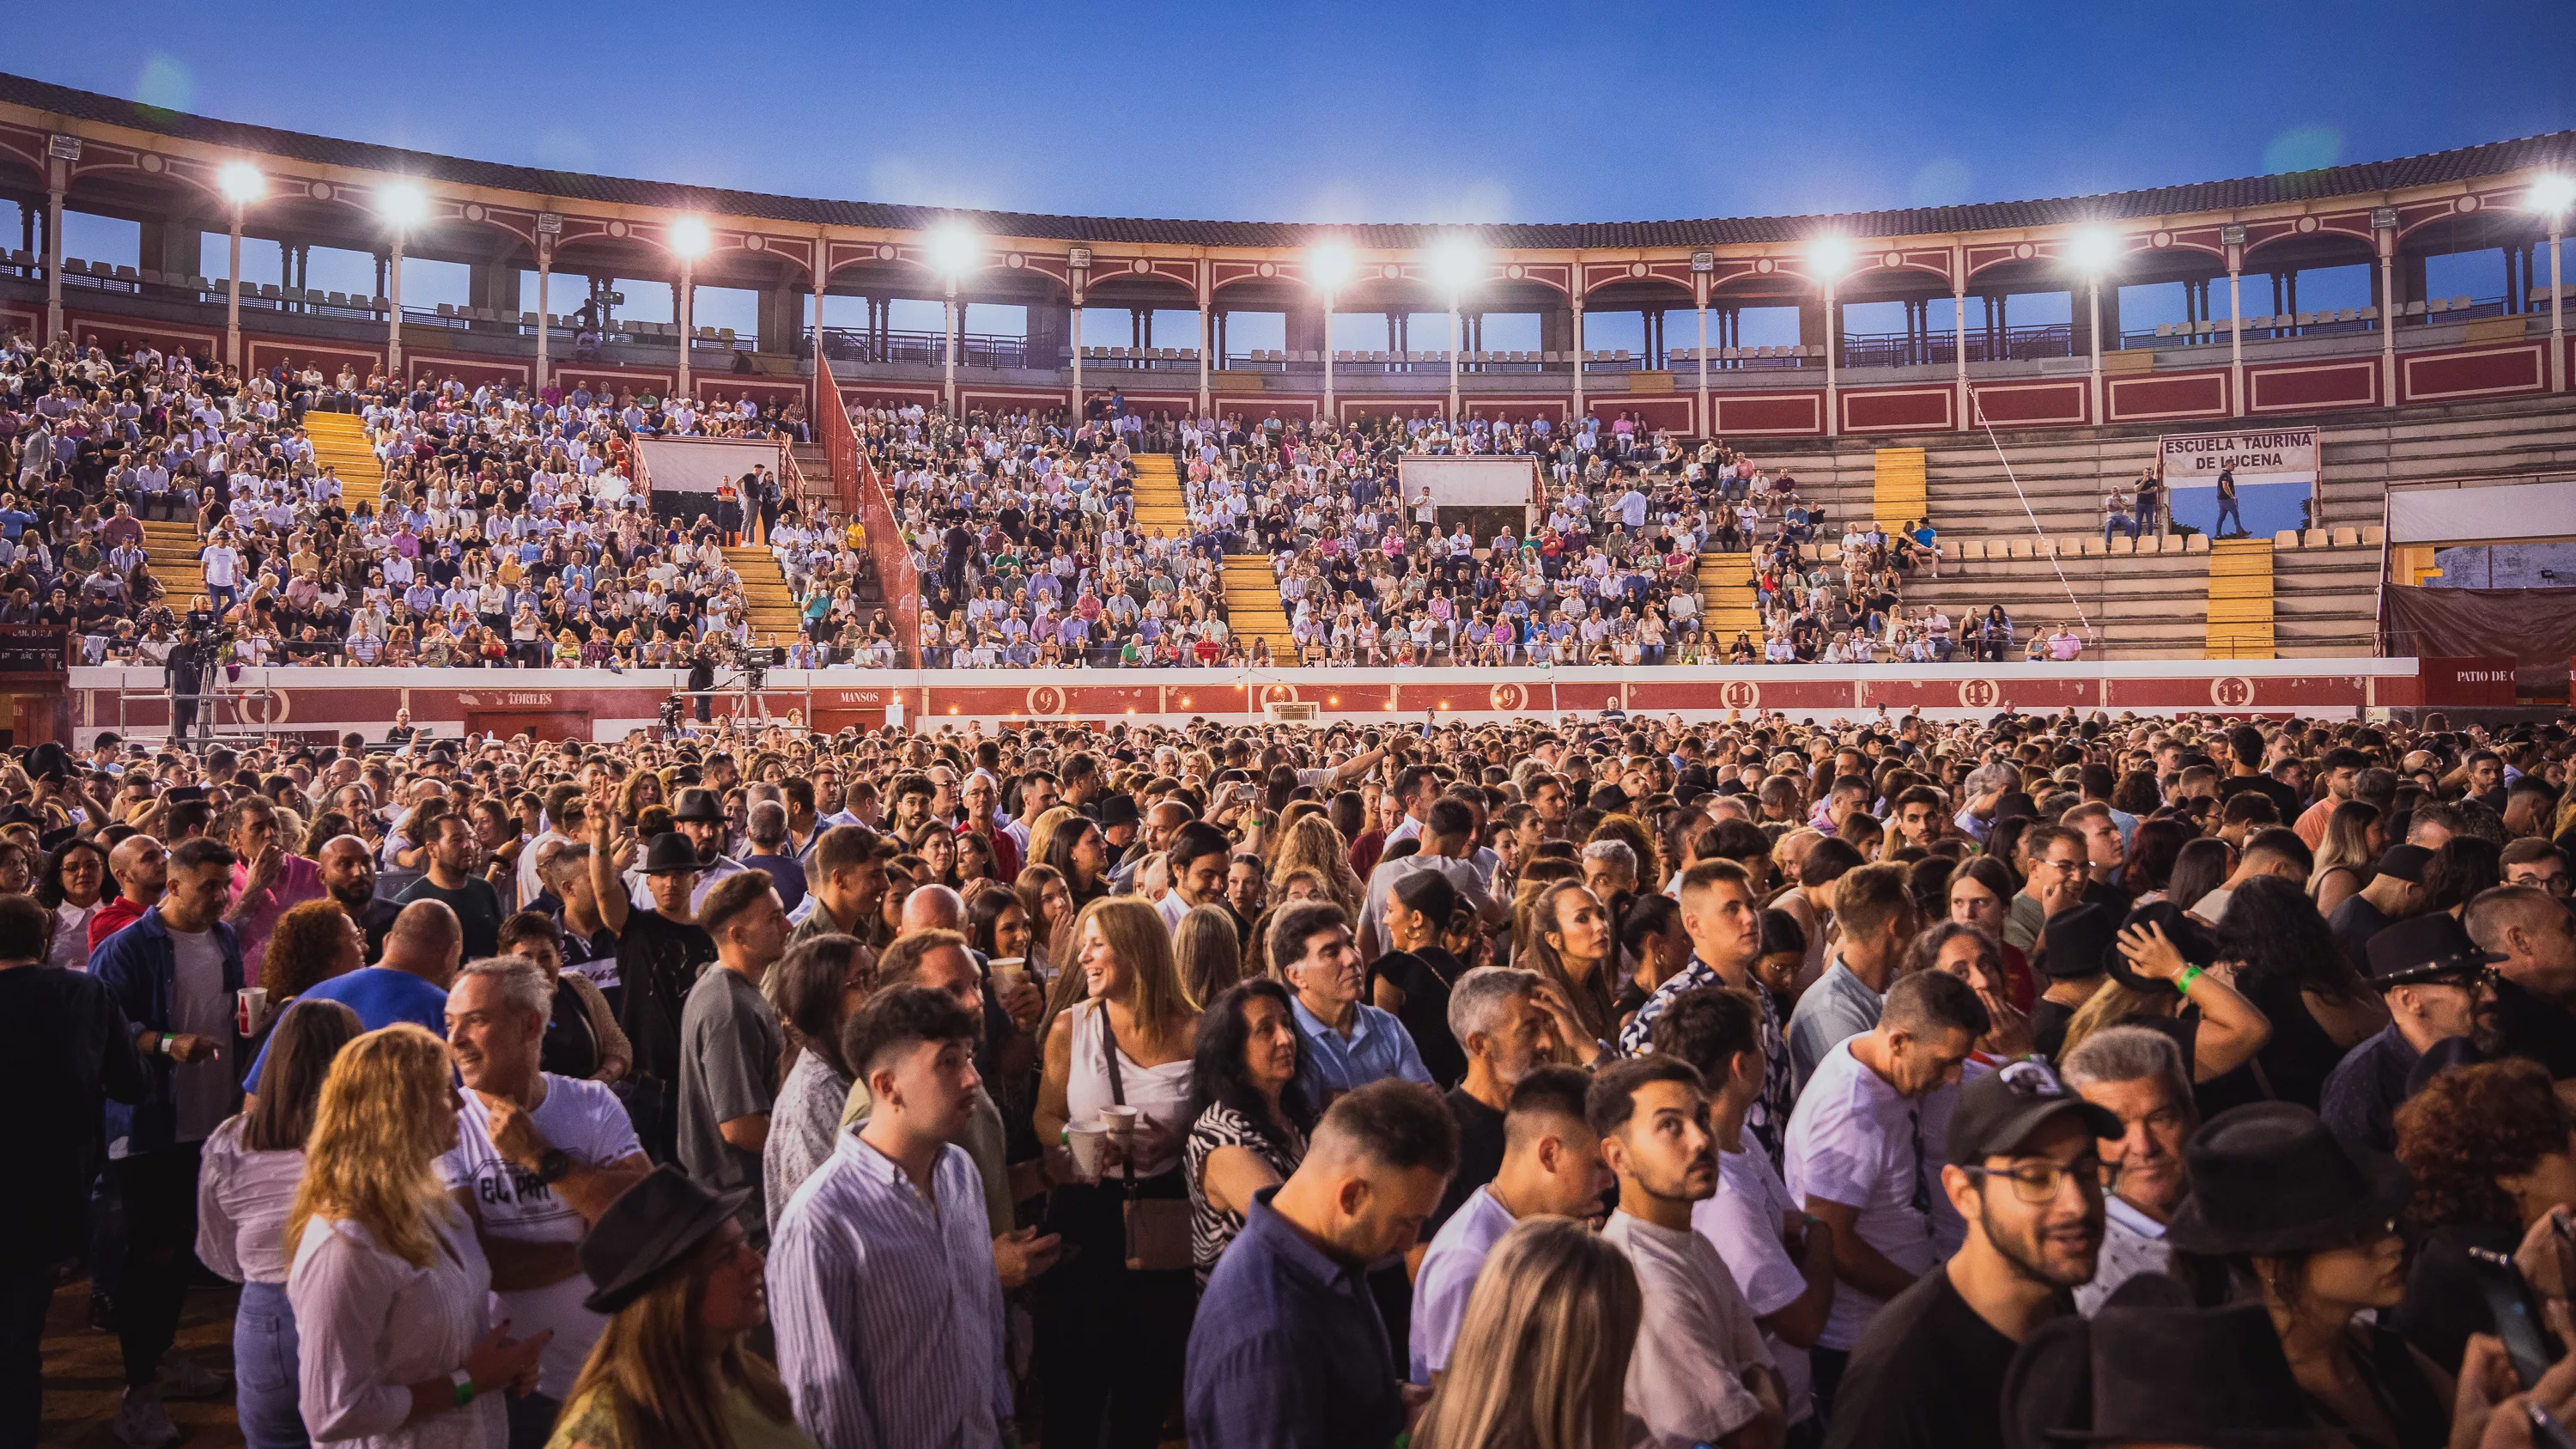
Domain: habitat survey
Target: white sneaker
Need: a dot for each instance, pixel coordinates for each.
(142, 1423)
(184, 1378)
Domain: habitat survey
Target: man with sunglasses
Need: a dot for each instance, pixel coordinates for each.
(2025, 1171)
(2438, 985)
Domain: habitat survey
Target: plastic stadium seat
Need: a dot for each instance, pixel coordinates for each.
(2373, 535)
(128, 274)
(2345, 537)
(2122, 543)
(2313, 538)
(1968, 548)
(2412, 309)
(446, 309)
(2164, 329)
(2286, 538)
(2461, 304)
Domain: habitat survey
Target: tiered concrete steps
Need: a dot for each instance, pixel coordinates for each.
(2325, 601)
(1252, 606)
(764, 589)
(340, 441)
(2240, 599)
(1726, 597)
(2141, 606)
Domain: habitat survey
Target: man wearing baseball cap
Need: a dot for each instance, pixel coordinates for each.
(2026, 1172)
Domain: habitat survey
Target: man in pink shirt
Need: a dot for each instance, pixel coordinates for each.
(267, 882)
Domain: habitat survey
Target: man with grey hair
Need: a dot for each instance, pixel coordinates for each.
(2138, 1076)
(766, 848)
(1610, 869)
(1495, 1015)
(537, 1159)
(1977, 796)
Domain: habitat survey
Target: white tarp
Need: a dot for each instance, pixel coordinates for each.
(1469, 482)
(694, 465)
(2482, 515)
(2275, 472)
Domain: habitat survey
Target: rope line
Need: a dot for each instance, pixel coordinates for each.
(2077, 604)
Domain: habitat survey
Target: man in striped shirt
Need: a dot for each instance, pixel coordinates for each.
(887, 1305)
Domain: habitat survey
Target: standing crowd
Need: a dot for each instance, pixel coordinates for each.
(1745, 1083)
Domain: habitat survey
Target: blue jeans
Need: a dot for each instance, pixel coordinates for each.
(2226, 511)
(265, 1395)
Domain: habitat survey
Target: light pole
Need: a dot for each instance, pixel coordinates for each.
(241, 184)
(954, 251)
(402, 204)
(2093, 251)
(1831, 256)
(1456, 267)
(688, 239)
(2553, 195)
(1328, 266)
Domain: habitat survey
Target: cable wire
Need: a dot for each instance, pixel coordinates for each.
(2081, 617)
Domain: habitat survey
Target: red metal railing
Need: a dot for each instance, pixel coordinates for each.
(864, 498)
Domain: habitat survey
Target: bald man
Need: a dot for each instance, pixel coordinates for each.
(1008, 1016)
(422, 952)
(141, 867)
(349, 874)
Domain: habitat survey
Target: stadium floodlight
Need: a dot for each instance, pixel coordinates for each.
(1457, 265)
(954, 251)
(2552, 194)
(689, 238)
(402, 203)
(240, 182)
(2093, 249)
(1329, 264)
(1831, 254)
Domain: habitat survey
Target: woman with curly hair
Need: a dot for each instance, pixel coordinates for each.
(2493, 1154)
(313, 942)
(1312, 843)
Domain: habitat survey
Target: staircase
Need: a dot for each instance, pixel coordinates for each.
(2240, 599)
(1252, 606)
(1160, 506)
(340, 442)
(764, 589)
(1896, 493)
(170, 551)
(1726, 597)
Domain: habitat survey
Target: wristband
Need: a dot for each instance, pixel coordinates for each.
(464, 1387)
(2183, 982)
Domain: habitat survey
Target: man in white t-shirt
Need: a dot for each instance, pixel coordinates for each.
(1782, 1259)
(538, 1158)
(1865, 1147)
(1700, 1373)
(1551, 1167)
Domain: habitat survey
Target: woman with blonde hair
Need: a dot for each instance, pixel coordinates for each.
(1571, 945)
(1113, 1319)
(2354, 838)
(1541, 1360)
(391, 1291)
(1312, 843)
(682, 1287)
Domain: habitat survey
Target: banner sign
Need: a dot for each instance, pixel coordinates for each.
(2274, 472)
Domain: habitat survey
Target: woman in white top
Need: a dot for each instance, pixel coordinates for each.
(1111, 1339)
(253, 1164)
(72, 886)
(390, 1289)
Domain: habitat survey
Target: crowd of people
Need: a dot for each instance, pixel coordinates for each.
(1744, 1083)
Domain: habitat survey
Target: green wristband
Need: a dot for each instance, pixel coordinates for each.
(464, 1388)
(2183, 982)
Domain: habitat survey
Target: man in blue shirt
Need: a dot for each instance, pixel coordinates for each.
(1348, 1044)
(422, 952)
(1289, 1350)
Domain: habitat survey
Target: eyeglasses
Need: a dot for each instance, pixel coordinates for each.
(2041, 1181)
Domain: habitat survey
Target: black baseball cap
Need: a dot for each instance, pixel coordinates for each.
(2405, 862)
(2000, 1110)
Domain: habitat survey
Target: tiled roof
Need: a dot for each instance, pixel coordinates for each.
(2362, 178)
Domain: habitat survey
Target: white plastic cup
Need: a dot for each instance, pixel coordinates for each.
(250, 1010)
(1090, 1146)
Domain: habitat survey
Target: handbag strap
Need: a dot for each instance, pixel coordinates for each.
(1117, 1089)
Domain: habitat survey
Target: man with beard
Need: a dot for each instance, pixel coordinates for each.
(1495, 1015)
(2438, 985)
(2025, 1172)
(1701, 1373)
(349, 874)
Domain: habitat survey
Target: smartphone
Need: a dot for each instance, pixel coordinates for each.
(2516, 1313)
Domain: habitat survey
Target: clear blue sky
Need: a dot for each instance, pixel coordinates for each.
(1503, 110)
(1345, 112)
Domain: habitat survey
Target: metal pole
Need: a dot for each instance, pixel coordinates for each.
(393, 314)
(1833, 362)
(1704, 428)
(687, 287)
(1329, 414)
(232, 295)
(2388, 316)
(948, 348)
(1578, 361)
(1207, 338)
(54, 258)
(1959, 340)
(1076, 349)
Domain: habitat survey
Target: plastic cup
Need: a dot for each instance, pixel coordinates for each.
(1090, 1146)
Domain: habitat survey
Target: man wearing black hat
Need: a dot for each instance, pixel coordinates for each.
(2438, 985)
(2025, 1173)
(660, 950)
(2395, 891)
(700, 820)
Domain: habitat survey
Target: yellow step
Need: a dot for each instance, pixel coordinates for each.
(1252, 604)
(2240, 600)
(1726, 595)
